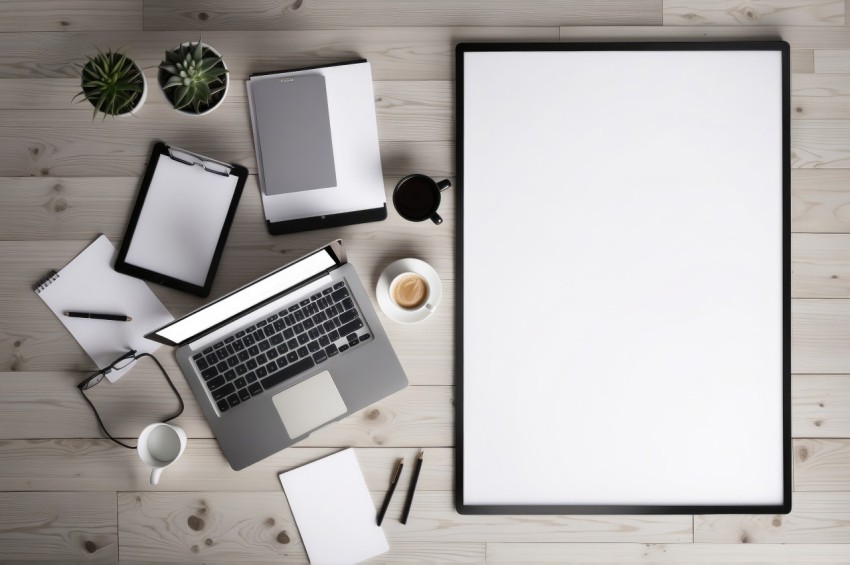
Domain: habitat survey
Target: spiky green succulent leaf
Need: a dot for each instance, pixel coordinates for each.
(173, 81)
(198, 51)
(202, 92)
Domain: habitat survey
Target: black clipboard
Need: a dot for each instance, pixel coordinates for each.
(181, 219)
(308, 223)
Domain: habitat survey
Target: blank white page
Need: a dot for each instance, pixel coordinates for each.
(622, 275)
(333, 509)
(181, 221)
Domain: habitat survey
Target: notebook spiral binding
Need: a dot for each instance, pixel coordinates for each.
(45, 282)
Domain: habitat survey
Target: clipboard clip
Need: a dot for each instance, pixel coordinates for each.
(193, 159)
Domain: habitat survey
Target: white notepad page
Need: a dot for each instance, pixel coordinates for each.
(181, 221)
(334, 511)
(89, 284)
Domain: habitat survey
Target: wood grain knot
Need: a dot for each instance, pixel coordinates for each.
(203, 16)
(64, 23)
(818, 423)
(196, 523)
(18, 343)
(195, 549)
(777, 522)
(820, 404)
(297, 4)
(45, 172)
(90, 546)
(269, 522)
(803, 453)
(373, 414)
(745, 538)
(834, 277)
(283, 537)
(208, 542)
(799, 110)
(60, 205)
(75, 444)
(34, 151)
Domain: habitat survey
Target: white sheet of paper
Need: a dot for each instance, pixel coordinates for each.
(645, 192)
(89, 284)
(181, 221)
(333, 509)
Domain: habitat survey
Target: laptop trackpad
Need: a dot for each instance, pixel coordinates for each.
(309, 404)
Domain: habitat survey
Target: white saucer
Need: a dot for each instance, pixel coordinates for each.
(382, 292)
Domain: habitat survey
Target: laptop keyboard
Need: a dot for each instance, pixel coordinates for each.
(261, 356)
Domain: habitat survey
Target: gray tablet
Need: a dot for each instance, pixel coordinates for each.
(294, 131)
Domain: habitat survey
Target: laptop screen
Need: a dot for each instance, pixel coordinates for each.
(245, 298)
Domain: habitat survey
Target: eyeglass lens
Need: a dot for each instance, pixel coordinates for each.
(93, 380)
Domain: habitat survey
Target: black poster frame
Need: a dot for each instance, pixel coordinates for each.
(784, 49)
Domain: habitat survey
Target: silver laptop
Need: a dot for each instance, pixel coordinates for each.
(284, 355)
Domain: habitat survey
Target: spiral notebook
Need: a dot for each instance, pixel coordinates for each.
(89, 284)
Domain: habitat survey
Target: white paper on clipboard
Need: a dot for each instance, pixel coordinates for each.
(181, 221)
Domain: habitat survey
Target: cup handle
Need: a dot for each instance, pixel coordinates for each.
(436, 219)
(444, 184)
(155, 473)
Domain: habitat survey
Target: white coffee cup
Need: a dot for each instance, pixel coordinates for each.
(160, 445)
(411, 291)
(391, 276)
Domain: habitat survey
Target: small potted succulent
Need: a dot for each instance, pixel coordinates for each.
(113, 84)
(193, 78)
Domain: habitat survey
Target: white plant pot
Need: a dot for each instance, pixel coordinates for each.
(141, 100)
(223, 94)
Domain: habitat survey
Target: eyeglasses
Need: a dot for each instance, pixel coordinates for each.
(121, 363)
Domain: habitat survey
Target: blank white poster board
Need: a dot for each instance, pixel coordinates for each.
(623, 324)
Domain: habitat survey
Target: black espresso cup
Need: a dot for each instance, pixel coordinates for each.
(417, 197)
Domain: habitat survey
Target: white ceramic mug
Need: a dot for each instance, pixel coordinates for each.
(160, 445)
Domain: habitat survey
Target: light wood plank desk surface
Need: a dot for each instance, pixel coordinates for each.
(68, 495)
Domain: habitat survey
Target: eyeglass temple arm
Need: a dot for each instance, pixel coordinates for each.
(171, 384)
(100, 423)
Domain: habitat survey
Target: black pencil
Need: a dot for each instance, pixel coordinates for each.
(409, 502)
(390, 492)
